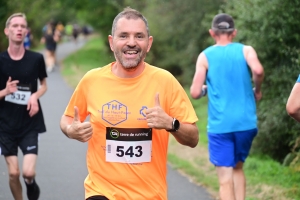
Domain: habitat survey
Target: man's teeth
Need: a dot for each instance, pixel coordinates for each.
(131, 52)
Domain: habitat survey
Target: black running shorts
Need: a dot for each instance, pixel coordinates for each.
(98, 197)
(28, 143)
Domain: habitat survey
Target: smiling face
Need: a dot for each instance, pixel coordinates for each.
(130, 42)
(16, 30)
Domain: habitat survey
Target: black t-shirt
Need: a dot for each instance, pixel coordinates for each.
(14, 116)
(50, 42)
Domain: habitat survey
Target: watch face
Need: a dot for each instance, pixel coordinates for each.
(176, 124)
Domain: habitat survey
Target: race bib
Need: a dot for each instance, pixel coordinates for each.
(128, 145)
(21, 96)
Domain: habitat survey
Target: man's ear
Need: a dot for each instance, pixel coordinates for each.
(6, 31)
(211, 33)
(110, 40)
(150, 43)
(234, 33)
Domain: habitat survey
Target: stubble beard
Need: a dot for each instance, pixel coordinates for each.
(130, 64)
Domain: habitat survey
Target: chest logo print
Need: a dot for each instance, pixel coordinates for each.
(114, 112)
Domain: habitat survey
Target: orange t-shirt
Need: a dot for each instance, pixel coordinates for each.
(125, 158)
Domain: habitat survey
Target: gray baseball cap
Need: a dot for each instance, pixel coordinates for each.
(223, 22)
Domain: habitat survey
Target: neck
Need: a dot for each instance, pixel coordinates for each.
(223, 40)
(120, 71)
(15, 51)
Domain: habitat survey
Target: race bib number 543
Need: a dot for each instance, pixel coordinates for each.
(128, 145)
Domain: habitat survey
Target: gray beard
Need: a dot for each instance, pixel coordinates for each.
(128, 64)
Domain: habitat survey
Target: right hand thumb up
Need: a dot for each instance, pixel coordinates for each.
(76, 114)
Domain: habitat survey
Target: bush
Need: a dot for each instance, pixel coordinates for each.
(273, 32)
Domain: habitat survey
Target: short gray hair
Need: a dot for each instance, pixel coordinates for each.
(129, 13)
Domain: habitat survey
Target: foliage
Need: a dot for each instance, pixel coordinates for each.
(180, 31)
(98, 13)
(179, 34)
(273, 32)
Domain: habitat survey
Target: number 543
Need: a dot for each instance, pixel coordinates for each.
(130, 151)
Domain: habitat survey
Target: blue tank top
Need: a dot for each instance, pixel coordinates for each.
(231, 101)
(298, 80)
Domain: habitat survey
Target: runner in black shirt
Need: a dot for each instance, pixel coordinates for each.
(21, 117)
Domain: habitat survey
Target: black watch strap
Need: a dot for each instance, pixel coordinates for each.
(175, 125)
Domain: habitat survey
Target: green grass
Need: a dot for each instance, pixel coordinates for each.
(259, 170)
(93, 55)
(198, 175)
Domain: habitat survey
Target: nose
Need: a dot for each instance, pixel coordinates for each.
(131, 41)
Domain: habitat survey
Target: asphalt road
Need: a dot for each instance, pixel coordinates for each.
(61, 167)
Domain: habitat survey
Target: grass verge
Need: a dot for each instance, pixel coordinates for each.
(266, 179)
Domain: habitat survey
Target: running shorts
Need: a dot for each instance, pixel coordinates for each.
(227, 149)
(28, 143)
(98, 197)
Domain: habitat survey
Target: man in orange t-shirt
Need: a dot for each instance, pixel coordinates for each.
(133, 107)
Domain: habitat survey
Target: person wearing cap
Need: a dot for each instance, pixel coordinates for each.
(232, 119)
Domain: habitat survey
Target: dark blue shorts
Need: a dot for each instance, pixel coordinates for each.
(227, 149)
(28, 143)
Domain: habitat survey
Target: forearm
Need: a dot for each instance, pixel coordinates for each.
(3, 93)
(41, 91)
(296, 115)
(187, 134)
(65, 123)
(257, 80)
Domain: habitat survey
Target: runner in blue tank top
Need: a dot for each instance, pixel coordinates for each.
(293, 103)
(232, 121)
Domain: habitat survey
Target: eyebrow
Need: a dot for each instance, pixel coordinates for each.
(127, 33)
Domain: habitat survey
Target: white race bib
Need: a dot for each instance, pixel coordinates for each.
(128, 145)
(21, 96)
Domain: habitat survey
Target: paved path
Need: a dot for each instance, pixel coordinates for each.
(61, 166)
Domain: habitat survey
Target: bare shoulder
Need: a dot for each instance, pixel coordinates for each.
(248, 49)
(202, 61)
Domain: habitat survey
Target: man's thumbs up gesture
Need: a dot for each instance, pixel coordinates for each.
(79, 131)
(157, 118)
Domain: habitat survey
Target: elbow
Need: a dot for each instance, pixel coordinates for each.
(195, 94)
(195, 141)
(259, 72)
(292, 110)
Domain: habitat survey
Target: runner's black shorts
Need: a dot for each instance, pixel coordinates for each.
(98, 197)
(28, 143)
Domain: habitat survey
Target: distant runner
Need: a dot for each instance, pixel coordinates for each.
(21, 117)
(232, 120)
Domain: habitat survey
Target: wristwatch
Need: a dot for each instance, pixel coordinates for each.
(175, 125)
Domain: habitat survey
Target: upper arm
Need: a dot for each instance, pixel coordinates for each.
(253, 61)
(43, 82)
(200, 76)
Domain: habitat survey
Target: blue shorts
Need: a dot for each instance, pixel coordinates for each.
(227, 149)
